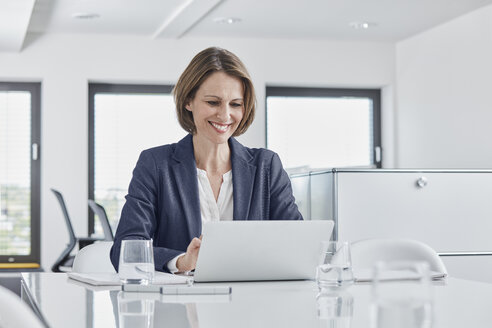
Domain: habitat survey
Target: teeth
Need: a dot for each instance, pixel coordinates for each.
(220, 127)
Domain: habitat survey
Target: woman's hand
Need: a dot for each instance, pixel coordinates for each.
(187, 262)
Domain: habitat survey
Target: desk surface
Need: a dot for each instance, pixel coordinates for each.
(63, 302)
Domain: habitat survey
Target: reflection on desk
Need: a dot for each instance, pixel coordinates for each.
(458, 303)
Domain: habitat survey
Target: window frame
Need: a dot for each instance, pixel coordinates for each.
(98, 88)
(33, 260)
(373, 94)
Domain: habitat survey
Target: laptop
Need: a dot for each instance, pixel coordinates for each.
(260, 250)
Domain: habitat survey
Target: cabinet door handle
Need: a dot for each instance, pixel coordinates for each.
(421, 182)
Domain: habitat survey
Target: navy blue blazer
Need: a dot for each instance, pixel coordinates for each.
(163, 203)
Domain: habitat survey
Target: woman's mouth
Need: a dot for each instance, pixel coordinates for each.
(220, 127)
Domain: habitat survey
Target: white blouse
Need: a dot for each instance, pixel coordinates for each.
(211, 210)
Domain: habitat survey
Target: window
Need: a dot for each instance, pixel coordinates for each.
(123, 121)
(324, 128)
(19, 175)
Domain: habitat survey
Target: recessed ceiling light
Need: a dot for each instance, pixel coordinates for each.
(362, 25)
(227, 20)
(85, 16)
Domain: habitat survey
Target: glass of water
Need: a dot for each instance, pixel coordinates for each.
(135, 311)
(335, 308)
(136, 262)
(335, 265)
(401, 295)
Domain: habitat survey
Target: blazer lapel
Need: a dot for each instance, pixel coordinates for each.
(184, 170)
(243, 176)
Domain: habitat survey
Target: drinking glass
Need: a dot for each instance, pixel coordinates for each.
(135, 311)
(335, 308)
(401, 295)
(136, 262)
(335, 265)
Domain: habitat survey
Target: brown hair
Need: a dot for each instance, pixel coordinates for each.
(205, 63)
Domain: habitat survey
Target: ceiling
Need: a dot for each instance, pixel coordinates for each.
(389, 20)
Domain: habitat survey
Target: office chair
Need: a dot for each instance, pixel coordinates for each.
(103, 218)
(65, 259)
(365, 253)
(16, 313)
(94, 259)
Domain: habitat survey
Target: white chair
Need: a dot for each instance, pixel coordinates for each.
(365, 253)
(94, 258)
(14, 313)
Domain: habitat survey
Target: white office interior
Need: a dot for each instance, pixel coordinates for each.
(435, 114)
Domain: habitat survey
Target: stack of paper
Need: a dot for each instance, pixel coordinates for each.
(112, 279)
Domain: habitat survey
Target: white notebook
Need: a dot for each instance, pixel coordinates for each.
(112, 279)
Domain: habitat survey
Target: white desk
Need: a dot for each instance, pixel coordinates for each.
(65, 303)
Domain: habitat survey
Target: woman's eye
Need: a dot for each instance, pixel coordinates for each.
(212, 103)
(236, 105)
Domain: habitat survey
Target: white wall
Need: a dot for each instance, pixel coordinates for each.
(444, 103)
(65, 64)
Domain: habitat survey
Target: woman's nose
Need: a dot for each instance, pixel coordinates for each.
(224, 112)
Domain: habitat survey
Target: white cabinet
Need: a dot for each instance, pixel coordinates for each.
(450, 210)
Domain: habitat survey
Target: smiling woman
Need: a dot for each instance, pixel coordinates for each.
(208, 175)
(206, 63)
(217, 108)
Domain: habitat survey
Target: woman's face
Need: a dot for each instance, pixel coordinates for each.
(218, 107)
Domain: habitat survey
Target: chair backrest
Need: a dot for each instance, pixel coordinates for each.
(16, 313)
(365, 253)
(72, 242)
(68, 223)
(94, 258)
(103, 218)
